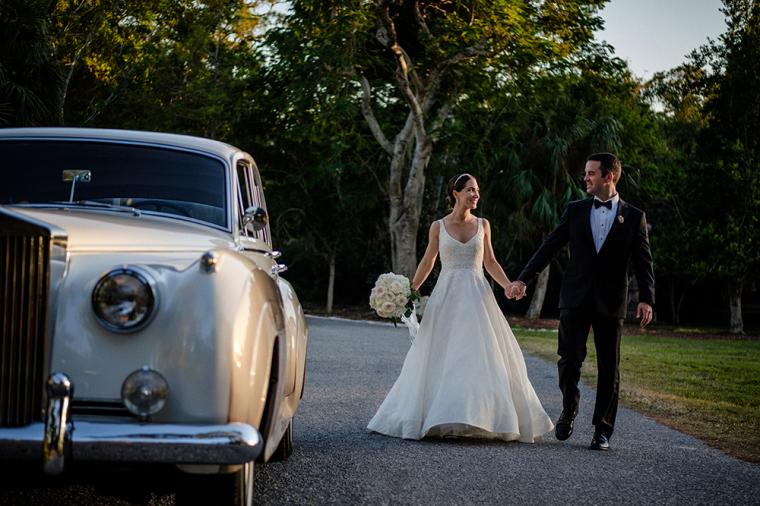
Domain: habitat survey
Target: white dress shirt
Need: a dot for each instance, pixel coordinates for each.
(602, 220)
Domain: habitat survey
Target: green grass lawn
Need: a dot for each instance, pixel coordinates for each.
(709, 388)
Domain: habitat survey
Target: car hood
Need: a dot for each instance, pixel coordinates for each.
(105, 230)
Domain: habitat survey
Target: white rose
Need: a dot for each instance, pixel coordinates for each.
(390, 295)
(387, 307)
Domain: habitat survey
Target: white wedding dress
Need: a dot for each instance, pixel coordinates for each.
(465, 374)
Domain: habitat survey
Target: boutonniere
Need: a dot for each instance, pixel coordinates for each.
(621, 220)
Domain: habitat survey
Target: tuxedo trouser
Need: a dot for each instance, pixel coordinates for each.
(574, 327)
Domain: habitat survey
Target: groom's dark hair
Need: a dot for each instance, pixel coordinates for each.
(456, 183)
(608, 163)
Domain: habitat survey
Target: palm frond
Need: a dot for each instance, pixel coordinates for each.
(544, 209)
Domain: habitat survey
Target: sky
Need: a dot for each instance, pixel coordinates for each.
(656, 35)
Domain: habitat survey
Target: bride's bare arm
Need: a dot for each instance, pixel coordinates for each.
(489, 258)
(428, 259)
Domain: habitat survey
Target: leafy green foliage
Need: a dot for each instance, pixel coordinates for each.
(520, 93)
(29, 76)
(708, 184)
(729, 178)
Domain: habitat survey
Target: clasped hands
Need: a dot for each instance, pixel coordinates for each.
(515, 290)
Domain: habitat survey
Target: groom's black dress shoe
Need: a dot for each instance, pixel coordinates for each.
(564, 427)
(599, 442)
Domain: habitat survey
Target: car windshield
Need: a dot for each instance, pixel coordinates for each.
(150, 179)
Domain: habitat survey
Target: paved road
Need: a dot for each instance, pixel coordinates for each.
(351, 367)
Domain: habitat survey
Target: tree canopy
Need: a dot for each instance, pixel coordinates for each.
(358, 112)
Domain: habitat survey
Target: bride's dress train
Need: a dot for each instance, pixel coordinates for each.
(465, 374)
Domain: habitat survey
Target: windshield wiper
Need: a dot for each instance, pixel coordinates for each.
(86, 203)
(104, 205)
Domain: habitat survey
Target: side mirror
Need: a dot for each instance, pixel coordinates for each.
(256, 217)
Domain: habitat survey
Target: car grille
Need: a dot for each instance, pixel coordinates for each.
(24, 282)
(96, 407)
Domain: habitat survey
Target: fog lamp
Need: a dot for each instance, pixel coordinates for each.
(144, 392)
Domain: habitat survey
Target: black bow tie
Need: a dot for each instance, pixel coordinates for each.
(599, 203)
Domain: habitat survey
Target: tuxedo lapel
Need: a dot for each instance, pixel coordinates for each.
(589, 204)
(617, 224)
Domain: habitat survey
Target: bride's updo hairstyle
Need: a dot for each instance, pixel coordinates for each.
(456, 183)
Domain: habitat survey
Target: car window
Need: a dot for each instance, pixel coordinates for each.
(166, 181)
(244, 193)
(249, 195)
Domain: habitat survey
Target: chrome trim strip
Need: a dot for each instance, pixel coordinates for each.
(278, 268)
(59, 269)
(232, 443)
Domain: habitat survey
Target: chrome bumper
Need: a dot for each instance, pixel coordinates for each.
(59, 438)
(232, 443)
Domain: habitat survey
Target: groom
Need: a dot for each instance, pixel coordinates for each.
(604, 234)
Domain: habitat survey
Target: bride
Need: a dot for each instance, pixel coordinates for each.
(465, 374)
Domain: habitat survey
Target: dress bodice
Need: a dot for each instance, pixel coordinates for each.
(460, 255)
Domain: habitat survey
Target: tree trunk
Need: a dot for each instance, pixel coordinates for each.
(64, 89)
(438, 191)
(679, 305)
(404, 245)
(676, 300)
(537, 303)
(735, 287)
(331, 285)
(421, 92)
(405, 212)
(672, 298)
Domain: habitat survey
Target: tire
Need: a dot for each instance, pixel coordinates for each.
(285, 448)
(233, 489)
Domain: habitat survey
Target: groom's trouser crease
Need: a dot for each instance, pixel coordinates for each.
(574, 328)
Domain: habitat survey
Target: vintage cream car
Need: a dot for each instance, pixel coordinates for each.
(144, 318)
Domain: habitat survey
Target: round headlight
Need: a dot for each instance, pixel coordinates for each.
(124, 300)
(144, 392)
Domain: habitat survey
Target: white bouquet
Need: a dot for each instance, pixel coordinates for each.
(393, 297)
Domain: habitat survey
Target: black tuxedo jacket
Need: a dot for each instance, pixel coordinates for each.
(605, 272)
